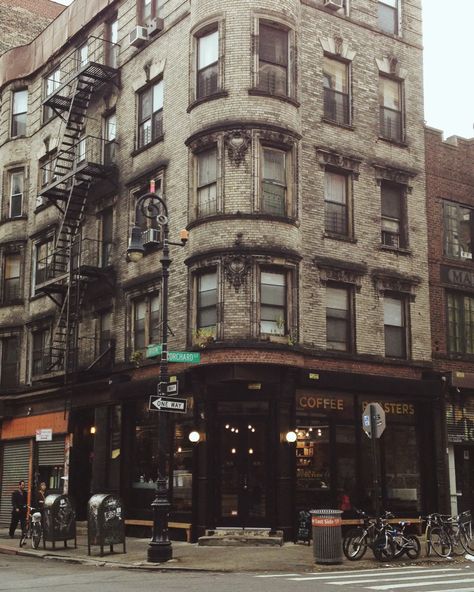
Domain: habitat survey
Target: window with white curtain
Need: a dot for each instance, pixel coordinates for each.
(336, 203)
(17, 181)
(274, 181)
(395, 327)
(391, 109)
(207, 64)
(273, 302)
(336, 91)
(207, 182)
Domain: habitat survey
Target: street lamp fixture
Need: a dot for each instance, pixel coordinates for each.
(153, 207)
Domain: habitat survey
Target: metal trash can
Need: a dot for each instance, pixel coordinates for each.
(327, 536)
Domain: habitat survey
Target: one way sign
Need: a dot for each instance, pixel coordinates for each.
(169, 404)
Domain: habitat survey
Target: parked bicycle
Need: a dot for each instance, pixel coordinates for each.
(371, 533)
(449, 535)
(405, 544)
(34, 528)
(437, 536)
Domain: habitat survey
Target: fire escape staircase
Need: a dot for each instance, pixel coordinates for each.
(77, 164)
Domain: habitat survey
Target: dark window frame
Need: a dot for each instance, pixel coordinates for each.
(390, 238)
(154, 118)
(457, 329)
(337, 105)
(349, 320)
(40, 351)
(274, 183)
(9, 379)
(143, 18)
(391, 331)
(11, 289)
(151, 334)
(200, 213)
(346, 228)
(392, 121)
(53, 77)
(208, 86)
(386, 12)
(18, 119)
(265, 62)
(206, 305)
(282, 326)
(455, 244)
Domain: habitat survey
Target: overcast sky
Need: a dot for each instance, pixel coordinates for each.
(449, 47)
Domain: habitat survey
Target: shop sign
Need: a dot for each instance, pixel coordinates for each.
(457, 277)
(460, 422)
(312, 401)
(44, 435)
(395, 409)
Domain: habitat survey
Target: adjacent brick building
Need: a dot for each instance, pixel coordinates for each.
(450, 207)
(22, 20)
(288, 139)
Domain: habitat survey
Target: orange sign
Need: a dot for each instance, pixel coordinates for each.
(315, 521)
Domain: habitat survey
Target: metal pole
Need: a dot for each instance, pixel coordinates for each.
(160, 549)
(374, 442)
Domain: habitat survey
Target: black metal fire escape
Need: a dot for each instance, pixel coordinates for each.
(78, 163)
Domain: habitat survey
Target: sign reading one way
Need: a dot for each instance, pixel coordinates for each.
(373, 420)
(169, 404)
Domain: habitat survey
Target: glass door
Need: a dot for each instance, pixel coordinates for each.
(242, 467)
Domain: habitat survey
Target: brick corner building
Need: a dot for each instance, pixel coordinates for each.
(287, 138)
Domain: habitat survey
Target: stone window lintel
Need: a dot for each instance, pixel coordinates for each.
(350, 164)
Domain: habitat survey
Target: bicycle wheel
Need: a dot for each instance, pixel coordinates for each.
(466, 539)
(455, 534)
(22, 539)
(354, 544)
(412, 546)
(35, 535)
(440, 542)
(384, 548)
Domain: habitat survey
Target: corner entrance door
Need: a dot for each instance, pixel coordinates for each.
(242, 470)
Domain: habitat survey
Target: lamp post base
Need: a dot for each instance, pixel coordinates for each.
(159, 552)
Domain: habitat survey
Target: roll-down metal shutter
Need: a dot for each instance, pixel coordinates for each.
(51, 453)
(16, 456)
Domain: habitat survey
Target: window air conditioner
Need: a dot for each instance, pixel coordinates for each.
(152, 236)
(334, 4)
(156, 25)
(138, 36)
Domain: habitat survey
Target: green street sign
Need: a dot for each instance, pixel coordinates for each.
(153, 351)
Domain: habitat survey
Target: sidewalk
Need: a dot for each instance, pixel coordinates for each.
(190, 557)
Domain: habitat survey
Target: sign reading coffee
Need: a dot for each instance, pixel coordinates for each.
(319, 402)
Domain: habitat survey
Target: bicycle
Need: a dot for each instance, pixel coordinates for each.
(408, 544)
(372, 533)
(437, 536)
(34, 528)
(459, 529)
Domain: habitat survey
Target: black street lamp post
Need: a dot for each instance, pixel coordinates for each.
(154, 207)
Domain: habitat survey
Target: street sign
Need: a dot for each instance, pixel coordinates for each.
(168, 404)
(167, 389)
(153, 351)
(373, 420)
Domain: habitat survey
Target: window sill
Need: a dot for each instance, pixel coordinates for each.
(42, 207)
(346, 126)
(399, 250)
(340, 237)
(256, 92)
(138, 151)
(242, 216)
(15, 302)
(400, 144)
(222, 94)
(6, 220)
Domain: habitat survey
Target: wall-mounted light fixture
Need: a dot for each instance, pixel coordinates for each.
(291, 437)
(93, 430)
(194, 437)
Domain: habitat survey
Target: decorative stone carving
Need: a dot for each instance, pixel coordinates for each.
(391, 66)
(236, 269)
(400, 176)
(237, 143)
(329, 157)
(337, 46)
(387, 280)
(332, 270)
(204, 141)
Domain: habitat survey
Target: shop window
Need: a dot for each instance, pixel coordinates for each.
(11, 285)
(19, 111)
(274, 181)
(40, 352)
(10, 361)
(182, 467)
(111, 43)
(313, 462)
(110, 135)
(206, 309)
(50, 84)
(273, 303)
(273, 60)
(106, 237)
(207, 81)
(460, 310)
(150, 114)
(16, 182)
(336, 91)
(402, 467)
(393, 216)
(146, 321)
(346, 478)
(388, 16)
(114, 447)
(395, 327)
(338, 318)
(336, 203)
(458, 230)
(391, 109)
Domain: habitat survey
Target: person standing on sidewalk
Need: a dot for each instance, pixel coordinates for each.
(19, 504)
